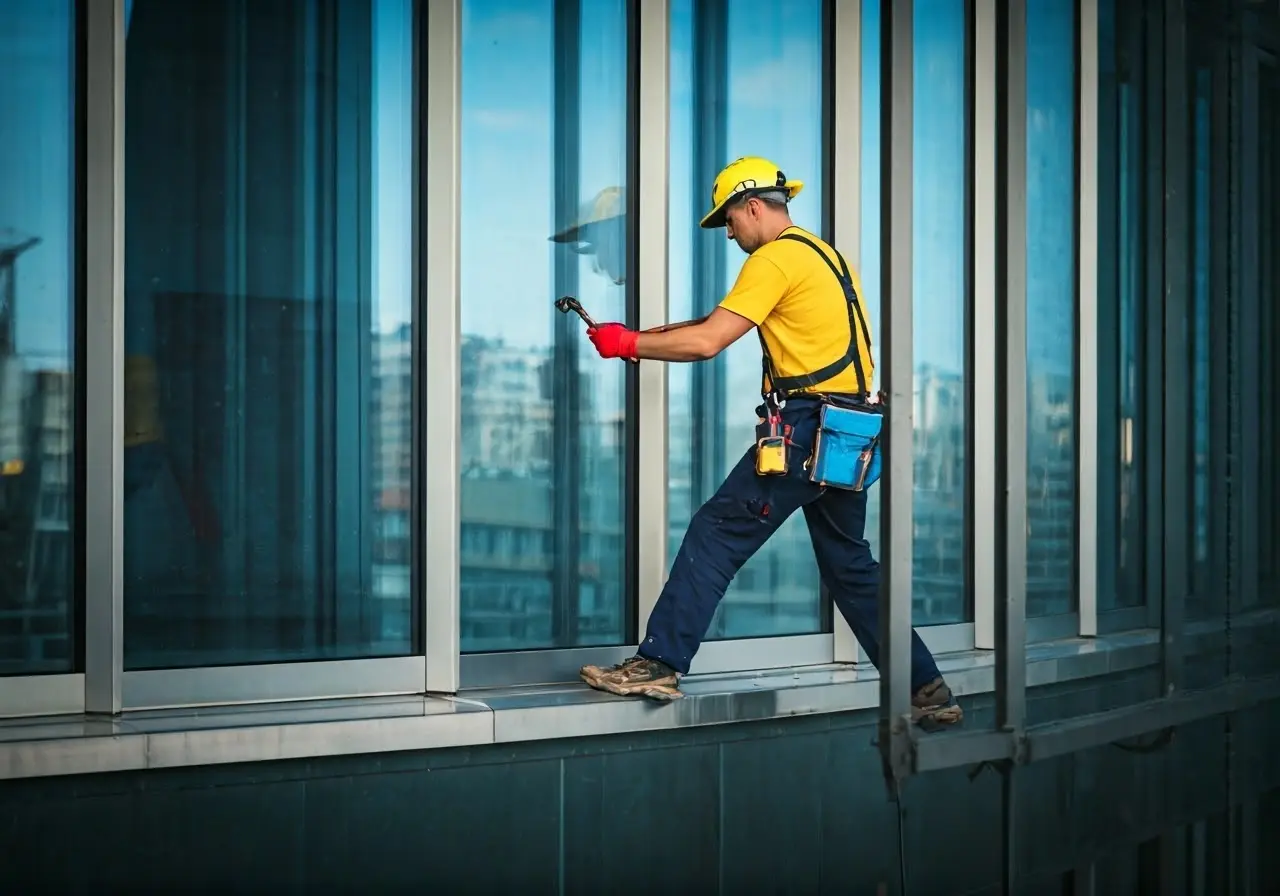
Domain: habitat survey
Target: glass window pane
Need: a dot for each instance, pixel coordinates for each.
(545, 423)
(38, 295)
(940, 294)
(746, 80)
(1051, 307)
(1268, 426)
(1122, 320)
(268, 313)
(940, 299)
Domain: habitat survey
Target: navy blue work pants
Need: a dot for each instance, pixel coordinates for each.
(730, 527)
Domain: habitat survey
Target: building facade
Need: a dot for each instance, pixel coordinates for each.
(312, 504)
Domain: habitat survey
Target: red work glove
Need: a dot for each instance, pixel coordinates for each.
(613, 341)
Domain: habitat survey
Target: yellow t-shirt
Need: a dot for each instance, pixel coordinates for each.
(796, 300)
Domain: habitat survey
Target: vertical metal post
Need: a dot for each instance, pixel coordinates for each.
(438, 339)
(566, 380)
(896, 76)
(653, 197)
(846, 210)
(1011, 366)
(1177, 493)
(104, 355)
(1152, 300)
(1011, 310)
(1087, 311)
(985, 334)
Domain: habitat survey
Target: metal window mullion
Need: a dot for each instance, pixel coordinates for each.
(985, 533)
(1011, 293)
(652, 278)
(1152, 317)
(437, 355)
(104, 355)
(896, 111)
(1177, 353)
(1087, 315)
(846, 187)
(566, 385)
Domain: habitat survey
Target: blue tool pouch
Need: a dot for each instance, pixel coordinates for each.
(846, 450)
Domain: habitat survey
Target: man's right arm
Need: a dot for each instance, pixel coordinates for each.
(668, 327)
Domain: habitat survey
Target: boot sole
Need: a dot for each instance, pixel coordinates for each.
(661, 692)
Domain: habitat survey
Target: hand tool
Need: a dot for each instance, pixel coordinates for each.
(565, 304)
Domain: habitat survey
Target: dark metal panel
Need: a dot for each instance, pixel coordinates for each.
(1177, 358)
(1153, 309)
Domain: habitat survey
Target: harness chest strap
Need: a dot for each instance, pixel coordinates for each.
(785, 384)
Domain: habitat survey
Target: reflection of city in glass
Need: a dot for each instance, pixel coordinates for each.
(544, 151)
(1051, 307)
(746, 79)
(37, 321)
(1121, 316)
(940, 294)
(268, 271)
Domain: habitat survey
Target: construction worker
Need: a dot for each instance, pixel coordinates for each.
(816, 348)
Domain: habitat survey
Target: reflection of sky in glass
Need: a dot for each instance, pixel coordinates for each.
(37, 156)
(772, 93)
(940, 292)
(1051, 304)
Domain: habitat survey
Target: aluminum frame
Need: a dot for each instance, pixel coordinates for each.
(527, 667)
(1086, 404)
(104, 356)
(652, 274)
(846, 206)
(984, 323)
(278, 682)
(440, 371)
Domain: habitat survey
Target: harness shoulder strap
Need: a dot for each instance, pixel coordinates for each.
(851, 356)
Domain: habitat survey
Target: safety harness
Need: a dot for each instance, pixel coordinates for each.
(782, 385)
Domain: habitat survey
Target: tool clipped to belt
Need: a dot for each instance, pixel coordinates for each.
(567, 304)
(772, 437)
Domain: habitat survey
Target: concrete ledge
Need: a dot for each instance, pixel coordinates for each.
(175, 738)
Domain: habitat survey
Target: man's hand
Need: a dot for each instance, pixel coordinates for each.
(614, 340)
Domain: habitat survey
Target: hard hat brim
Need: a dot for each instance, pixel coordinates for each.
(715, 218)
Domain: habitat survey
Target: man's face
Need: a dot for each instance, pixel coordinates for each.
(742, 224)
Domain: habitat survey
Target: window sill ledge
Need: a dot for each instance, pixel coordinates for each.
(219, 735)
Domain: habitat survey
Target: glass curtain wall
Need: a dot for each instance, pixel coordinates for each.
(1122, 323)
(942, 294)
(1051, 307)
(546, 424)
(748, 78)
(269, 151)
(40, 294)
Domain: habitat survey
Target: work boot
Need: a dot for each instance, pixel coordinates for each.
(934, 706)
(636, 676)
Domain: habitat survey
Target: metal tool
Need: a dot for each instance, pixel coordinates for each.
(565, 304)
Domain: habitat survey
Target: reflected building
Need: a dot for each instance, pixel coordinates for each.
(509, 489)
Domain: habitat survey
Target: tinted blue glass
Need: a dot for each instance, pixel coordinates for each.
(268, 314)
(1121, 284)
(544, 419)
(746, 79)
(940, 293)
(1051, 304)
(38, 293)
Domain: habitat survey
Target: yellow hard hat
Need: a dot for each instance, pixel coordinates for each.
(750, 175)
